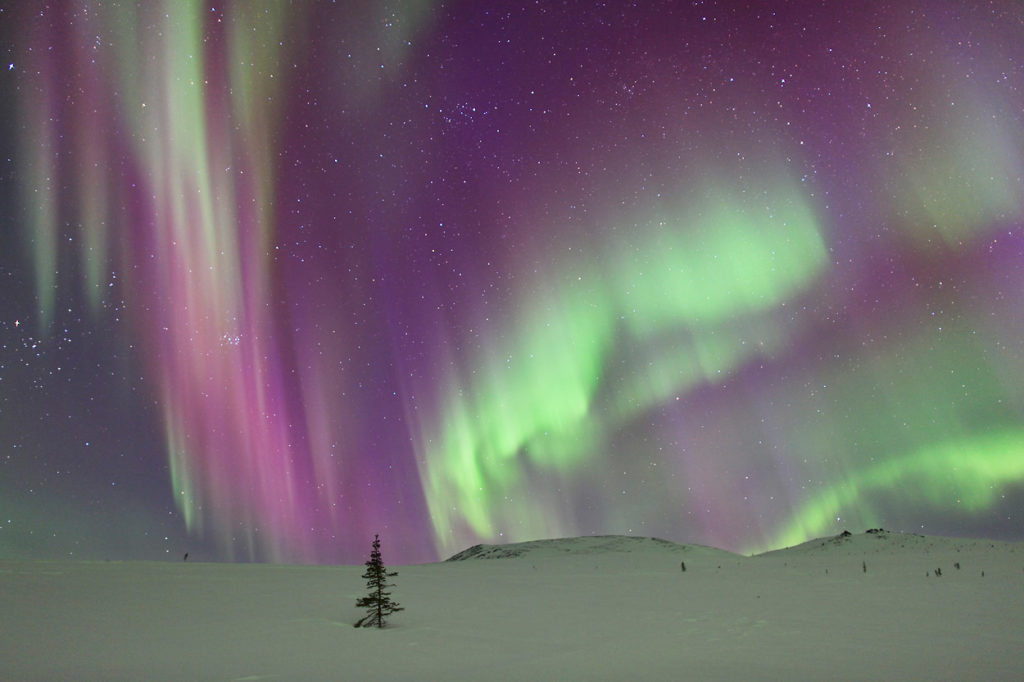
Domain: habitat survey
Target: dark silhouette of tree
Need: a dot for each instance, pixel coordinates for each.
(378, 602)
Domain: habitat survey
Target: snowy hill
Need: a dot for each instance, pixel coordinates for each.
(589, 545)
(902, 551)
(600, 608)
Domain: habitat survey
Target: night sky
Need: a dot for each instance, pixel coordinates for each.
(275, 277)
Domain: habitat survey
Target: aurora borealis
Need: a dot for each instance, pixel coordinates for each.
(277, 276)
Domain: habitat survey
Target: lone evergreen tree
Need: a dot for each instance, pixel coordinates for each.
(378, 603)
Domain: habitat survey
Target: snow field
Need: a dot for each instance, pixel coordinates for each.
(583, 608)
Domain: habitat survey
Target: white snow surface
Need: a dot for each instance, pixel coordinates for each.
(593, 608)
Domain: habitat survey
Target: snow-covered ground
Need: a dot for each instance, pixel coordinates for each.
(596, 608)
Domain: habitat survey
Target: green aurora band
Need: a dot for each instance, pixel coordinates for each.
(540, 399)
(905, 444)
(973, 471)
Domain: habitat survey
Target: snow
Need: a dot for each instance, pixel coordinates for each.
(602, 608)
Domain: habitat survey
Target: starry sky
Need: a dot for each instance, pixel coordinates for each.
(277, 276)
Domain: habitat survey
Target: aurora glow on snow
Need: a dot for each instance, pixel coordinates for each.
(275, 277)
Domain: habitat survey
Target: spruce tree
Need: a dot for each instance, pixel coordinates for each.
(378, 602)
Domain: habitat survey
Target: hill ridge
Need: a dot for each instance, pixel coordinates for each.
(583, 544)
(871, 540)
